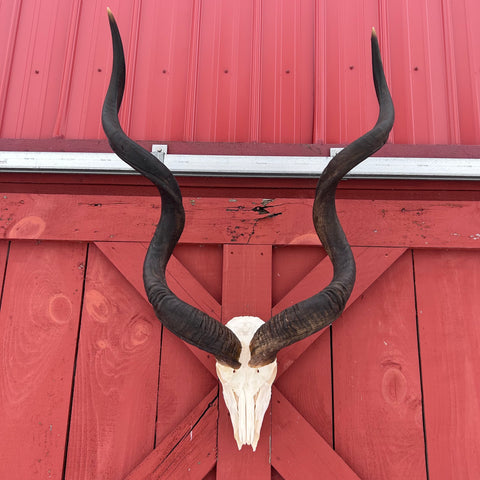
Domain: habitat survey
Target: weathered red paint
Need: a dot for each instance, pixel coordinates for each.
(449, 333)
(373, 367)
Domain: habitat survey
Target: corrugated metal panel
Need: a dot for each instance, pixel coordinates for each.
(278, 71)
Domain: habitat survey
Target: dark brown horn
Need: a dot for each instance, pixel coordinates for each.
(311, 315)
(185, 321)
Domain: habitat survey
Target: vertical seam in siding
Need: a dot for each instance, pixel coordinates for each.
(7, 65)
(25, 86)
(319, 71)
(192, 79)
(213, 133)
(474, 69)
(411, 122)
(235, 67)
(42, 128)
(278, 91)
(298, 123)
(69, 62)
(427, 54)
(256, 78)
(80, 125)
(126, 113)
(451, 81)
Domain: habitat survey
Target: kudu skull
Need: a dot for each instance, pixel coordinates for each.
(246, 347)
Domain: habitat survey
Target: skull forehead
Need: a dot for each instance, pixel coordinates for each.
(244, 327)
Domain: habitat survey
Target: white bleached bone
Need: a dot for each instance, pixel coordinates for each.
(246, 390)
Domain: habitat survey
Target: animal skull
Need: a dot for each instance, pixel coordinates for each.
(245, 349)
(246, 390)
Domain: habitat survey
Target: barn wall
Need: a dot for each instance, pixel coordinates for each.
(250, 71)
(92, 388)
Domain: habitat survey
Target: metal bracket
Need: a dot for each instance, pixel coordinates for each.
(160, 151)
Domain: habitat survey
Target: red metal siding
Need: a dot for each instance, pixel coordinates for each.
(251, 71)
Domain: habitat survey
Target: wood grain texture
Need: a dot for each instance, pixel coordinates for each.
(38, 327)
(183, 381)
(114, 404)
(307, 385)
(298, 452)
(189, 452)
(390, 223)
(377, 393)
(128, 259)
(246, 291)
(305, 373)
(371, 262)
(448, 286)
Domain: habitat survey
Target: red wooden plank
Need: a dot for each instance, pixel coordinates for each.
(298, 451)
(247, 282)
(246, 291)
(290, 264)
(377, 393)
(3, 259)
(391, 223)
(307, 385)
(38, 326)
(205, 263)
(114, 404)
(447, 285)
(190, 451)
(128, 259)
(183, 380)
(245, 463)
(371, 263)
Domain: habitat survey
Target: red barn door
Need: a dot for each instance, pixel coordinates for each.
(91, 387)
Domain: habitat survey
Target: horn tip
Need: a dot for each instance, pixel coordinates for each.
(374, 32)
(110, 14)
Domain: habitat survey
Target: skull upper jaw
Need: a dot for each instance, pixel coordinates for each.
(246, 390)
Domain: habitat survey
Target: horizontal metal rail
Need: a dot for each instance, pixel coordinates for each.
(243, 166)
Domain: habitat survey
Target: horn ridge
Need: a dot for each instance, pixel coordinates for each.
(182, 319)
(311, 315)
